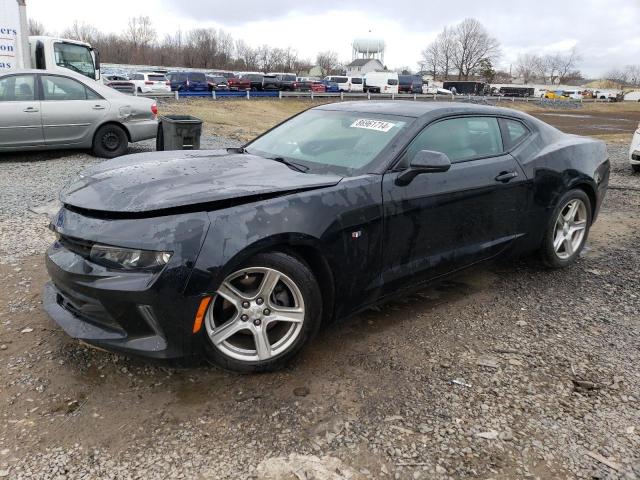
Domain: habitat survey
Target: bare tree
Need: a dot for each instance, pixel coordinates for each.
(473, 44)
(567, 66)
(529, 66)
(447, 46)
(327, 62)
(36, 28)
(81, 31)
(438, 57)
(633, 74)
(141, 35)
(430, 60)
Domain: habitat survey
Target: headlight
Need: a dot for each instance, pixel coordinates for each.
(127, 258)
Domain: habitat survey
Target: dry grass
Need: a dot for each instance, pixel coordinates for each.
(245, 119)
(239, 119)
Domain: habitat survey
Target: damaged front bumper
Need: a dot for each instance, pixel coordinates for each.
(145, 313)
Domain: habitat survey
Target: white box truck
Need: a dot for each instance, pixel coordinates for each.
(19, 50)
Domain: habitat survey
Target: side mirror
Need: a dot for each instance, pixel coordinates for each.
(424, 161)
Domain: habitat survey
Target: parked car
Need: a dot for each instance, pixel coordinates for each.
(217, 83)
(270, 82)
(554, 95)
(610, 95)
(188, 81)
(573, 94)
(245, 253)
(221, 73)
(438, 91)
(255, 80)
(341, 80)
(239, 83)
(309, 86)
(329, 86)
(634, 151)
(119, 83)
(41, 110)
(285, 81)
(381, 82)
(146, 82)
(409, 84)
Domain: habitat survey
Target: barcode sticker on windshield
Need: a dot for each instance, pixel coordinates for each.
(377, 125)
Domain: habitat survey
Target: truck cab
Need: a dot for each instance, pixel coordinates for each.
(53, 53)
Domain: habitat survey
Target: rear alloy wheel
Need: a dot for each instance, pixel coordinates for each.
(110, 141)
(263, 314)
(567, 234)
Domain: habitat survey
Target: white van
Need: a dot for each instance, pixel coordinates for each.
(356, 84)
(381, 82)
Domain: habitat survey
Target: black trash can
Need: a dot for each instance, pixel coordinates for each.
(178, 132)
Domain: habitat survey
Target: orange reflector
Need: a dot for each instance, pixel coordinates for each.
(202, 309)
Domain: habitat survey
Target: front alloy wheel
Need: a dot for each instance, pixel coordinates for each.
(262, 314)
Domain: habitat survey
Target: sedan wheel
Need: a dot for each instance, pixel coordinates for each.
(568, 229)
(110, 141)
(261, 315)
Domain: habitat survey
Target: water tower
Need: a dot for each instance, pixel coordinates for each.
(368, 47)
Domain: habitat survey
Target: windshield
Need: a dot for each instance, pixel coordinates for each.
(344, 143)
(75, 57)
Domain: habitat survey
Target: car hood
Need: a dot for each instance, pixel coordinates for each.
(171, 180)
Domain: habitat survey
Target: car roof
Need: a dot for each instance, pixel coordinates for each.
(416, 109)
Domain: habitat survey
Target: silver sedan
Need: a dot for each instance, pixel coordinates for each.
(42, 110)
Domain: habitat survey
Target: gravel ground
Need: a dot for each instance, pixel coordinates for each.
(509, 371)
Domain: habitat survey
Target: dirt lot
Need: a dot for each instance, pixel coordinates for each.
(507, 371)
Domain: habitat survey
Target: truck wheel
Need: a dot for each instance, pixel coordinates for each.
(110, 141)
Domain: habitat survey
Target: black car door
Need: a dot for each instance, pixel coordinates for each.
(443, 221)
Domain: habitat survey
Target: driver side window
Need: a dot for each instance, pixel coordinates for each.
(460, 138)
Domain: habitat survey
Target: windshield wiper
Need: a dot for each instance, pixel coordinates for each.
(294, 166)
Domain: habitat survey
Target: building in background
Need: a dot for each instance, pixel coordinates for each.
(360, 66)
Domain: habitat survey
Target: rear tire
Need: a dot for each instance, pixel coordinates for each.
(110, 141)
(567, 230)
(273, 304)
(636, 168)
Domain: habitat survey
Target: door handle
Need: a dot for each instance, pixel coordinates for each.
(99, 107)
(31, 110)
(504, 177)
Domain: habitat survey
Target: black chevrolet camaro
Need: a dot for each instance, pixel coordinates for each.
(242, 254)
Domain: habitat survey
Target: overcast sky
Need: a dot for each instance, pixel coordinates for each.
(606, 32)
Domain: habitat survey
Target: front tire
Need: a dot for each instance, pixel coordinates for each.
(567, 230)
(263, 314)
(636, 168)
(110, 141)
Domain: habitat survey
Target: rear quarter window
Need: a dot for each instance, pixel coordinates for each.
(513, 132)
